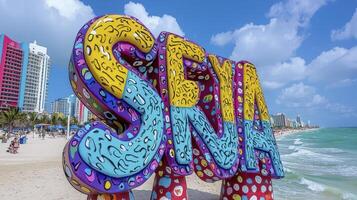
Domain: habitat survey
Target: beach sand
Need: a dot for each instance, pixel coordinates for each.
(36, 173)
(287, 131)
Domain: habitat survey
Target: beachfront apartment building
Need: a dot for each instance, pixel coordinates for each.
(36, 82)
(24, 73)
(77, 108)
(64, 105)
(82, 113)
(298, 120)
(60, 105)
(280, 120)
(11, 61)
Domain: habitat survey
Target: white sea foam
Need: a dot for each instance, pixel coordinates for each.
(324, 165)
(298, 141)
(348, 196)
(316, 187)
(346, 170)
(292, 147)
(304, 152)
(331, 150)
(288, 170)
(309, 153)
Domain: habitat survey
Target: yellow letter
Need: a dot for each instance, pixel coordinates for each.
(224, 73)
(98, 44)
(183, 93)
(253, 92)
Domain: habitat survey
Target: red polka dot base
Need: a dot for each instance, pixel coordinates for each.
(168, 187)
(247, 186)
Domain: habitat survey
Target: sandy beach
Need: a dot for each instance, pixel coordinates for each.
(285, 132)
(36, 173)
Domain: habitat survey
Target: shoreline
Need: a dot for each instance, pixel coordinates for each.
(290, 131)
(37, 170)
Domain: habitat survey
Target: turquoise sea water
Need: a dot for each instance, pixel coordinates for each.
(319, 164)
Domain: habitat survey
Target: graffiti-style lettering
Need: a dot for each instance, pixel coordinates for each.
(165, 106)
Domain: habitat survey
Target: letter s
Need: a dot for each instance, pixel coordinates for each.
(98, 158)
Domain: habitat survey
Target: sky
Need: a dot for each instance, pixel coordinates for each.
(305, 51)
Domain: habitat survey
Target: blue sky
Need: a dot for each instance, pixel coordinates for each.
(305, 51)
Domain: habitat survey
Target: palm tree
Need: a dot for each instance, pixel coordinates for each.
(22, 121)
(10, 117)
(54, 119)
(44, 119)
(32, 118)
(74, 120)
(63, 121)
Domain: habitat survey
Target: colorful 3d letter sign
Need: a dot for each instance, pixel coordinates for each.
(165, 106)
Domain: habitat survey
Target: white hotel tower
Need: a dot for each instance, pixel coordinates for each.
(36, 79)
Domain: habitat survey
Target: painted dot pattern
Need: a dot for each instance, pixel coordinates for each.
(124, 122)
(167, 186)
(248, 186)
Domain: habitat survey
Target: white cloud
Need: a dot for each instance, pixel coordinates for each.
(156, 24)
(53, 24)
(279, 75)
(222, 39)
(333, 68)
(305, 96)
(341, 109)
(272, 47)
(70, 9)
(300, 95)
(276, 41)
(272, 84)
(334, 65)
(296, 11)
(348, 31)
(265, 44)
(343, 83)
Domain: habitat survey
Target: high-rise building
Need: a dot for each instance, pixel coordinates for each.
(298, 120)
(24, 73)
(60, 106)
(272, 121)
(11, 60)
(280, 120)
(64, 105)
(81, 112)
(36, 80)
(290, 123)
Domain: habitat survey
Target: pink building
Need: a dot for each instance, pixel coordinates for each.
(81, 112)
(11, 56)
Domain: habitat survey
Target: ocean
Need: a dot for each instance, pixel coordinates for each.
(319, 164)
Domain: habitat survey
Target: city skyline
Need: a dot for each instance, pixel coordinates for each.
(314, 75)
(24, 72)
(280, 120)
(71, 104)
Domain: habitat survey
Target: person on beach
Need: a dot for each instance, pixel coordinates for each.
(43, 134)
(4, 138)
(14, 146)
